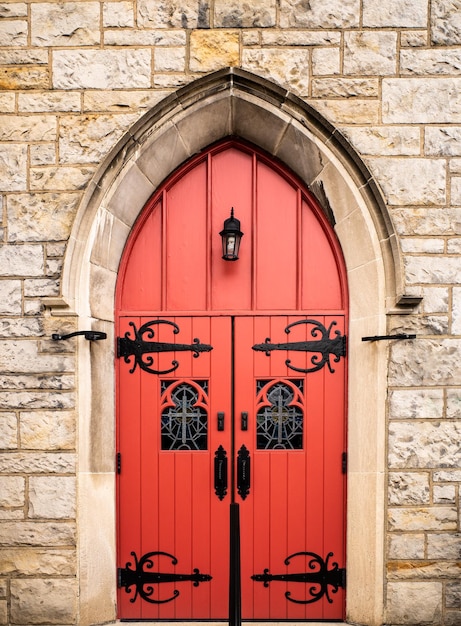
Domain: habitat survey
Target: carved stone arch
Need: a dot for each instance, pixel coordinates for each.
(232, 102)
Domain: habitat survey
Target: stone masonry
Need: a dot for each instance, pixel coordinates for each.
(74, 77)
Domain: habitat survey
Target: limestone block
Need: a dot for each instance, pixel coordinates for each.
(24, 57)
(7, 102)
(38, 381)
(455, 190)
(244, 14)
(41, 287)
(43, 154)
(444, 494)
(24, 78)
(36, 400)
(13, 33)
(349, 111)
(65, 24)
(37, 463)
(60, 178)
(325, 61)
(454, 246)
(442, 141)
(405, 605)
(370, 53)
(52, 497)
(12, 491)
(43, 601)
(37, 562)
(55, 101)
(424, 444)
(406, 545)
(8, 431)
(432, 269)
(300, 38)
(345, 88)
(24, 260)
(173, 14)
(251, 37)
(13, 167)
(101, 69)
(170, 59)
(423, 570)
(27, 128)
(419, 221)
(36, 533)
(421, 325)
(89, 138)
(10, 297)
(283, 66)
(446, 22)
(452, 618)
(453, 402)
(136, 37)
(423, 246)
(453, 595)
(41, 216)
(21, 327)
(395, 13)
(118, 14)
(121, 100)
(384, 141)
(416, 403)
(413, 38)
(435, 299)
(423, 518)
(319, 14)
(213, 49)
(408, 488)
(447, 476)
(47, 430)
(172, 81)
(13, 9)
(425, 62)
(421, 100)
(444, 546)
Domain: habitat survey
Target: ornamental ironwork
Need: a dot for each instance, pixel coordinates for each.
(280, 414)
(143, 580)
(324, 347)
(137, 348)
(184, 415)
(321, 577)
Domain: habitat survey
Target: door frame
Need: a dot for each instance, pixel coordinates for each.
(230, 102)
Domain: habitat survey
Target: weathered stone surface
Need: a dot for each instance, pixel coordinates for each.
(410, 181)
(446, 22)
(244, 14)
(8, 431)
(12, 491)
(444, 494)
(60, 178)
(43, 601)
(36, 400)
(325, 61)
(435, 300)
(408, 488)
(453, 404)
(455, 190)
(405, 605)
(407, 570)
(65, 24)
(37, 562)
(52, 497)
(24, 260)
(13, 33)
(7, 102)
(438, 269)
(423, 518)
(135, 37)
(448, 476)
(10, 297)
(13, 9)
(101, 69)
(118, 14)
(395, 13)
(319, 14)
(423, 246)
(406, 545)
(36, 533)
(444, 546)
(37, 381)
(41, 287)
(426, 62)
(384, 141)
(37, 462)
(345, 88)
(284, 66)
(414, 38)
(299, 38)
(43, 154)
(121, 100)
(421, 325)
(170, 59)
(20, 327)
(424, 444)
(173, 14)
(47, 430)
(88, 139)
(453, 595)
(427, 221)
(421, 100)
(210, 50)
(370, 53)
(442, 141)
(56, 101)
(13, 167)
(24, 57)
(456, 317)
(41, 216)
(416, 403)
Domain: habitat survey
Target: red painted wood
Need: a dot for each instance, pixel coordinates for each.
(290, 268)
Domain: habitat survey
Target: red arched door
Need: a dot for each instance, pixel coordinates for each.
(231, 389)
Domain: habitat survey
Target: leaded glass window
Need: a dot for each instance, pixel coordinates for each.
(184, 415)
(280, 414)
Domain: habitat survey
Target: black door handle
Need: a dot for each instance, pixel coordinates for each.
(220, 420)
(220, 473)
(244, 420)
(243, 472)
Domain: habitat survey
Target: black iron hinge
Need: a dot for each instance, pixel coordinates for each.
(119, 462)
(344, 462)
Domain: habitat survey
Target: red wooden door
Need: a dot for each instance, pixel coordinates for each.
(231, 388)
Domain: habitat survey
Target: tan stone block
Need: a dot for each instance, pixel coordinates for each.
(13, 167)
(11, 297)
(36, 533)
(406, 545)
(60, 178)
(407, 488)
(24, 78)
(446, 22)
(56, 101)
(65, 24)
(105, 101)
(421, 100)
(43, 601)
(424, 62)
(137, 37)
(423, 518)
(424, 444)
(170, 59)
(8, 431)
(173, 14)
(284, 66)
(405, 605)
(423, 570)
(12, 491)
(243, 14)
(47, 430)
(37, 463)
(384, 141)
(13, 9)
(319, 14)
(213, 49)
(370, 53)
(43, 154)
(118, 14)
(416, 403)
(413, 38)
(325, 61)
(52, 497)
(37, 562)
(3, 612)
(41, 216)
(395, 13)
(351, 111)
(13, 33)
(7, 102)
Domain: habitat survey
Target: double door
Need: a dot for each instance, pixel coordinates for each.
(228, 409)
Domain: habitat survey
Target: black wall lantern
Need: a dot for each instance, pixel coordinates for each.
(231, 236)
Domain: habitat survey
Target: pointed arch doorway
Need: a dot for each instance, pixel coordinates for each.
(231, 388)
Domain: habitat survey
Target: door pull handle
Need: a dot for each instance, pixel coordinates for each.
(244, 420)
(220, 473)
(243, 472)
(220, 420)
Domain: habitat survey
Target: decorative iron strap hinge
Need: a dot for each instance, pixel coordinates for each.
(325, 346)
(138, 347)
(143, 580)
(322, 578)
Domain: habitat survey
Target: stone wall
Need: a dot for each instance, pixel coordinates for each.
(74, 77)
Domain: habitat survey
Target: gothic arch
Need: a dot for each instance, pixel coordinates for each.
(232, 102)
